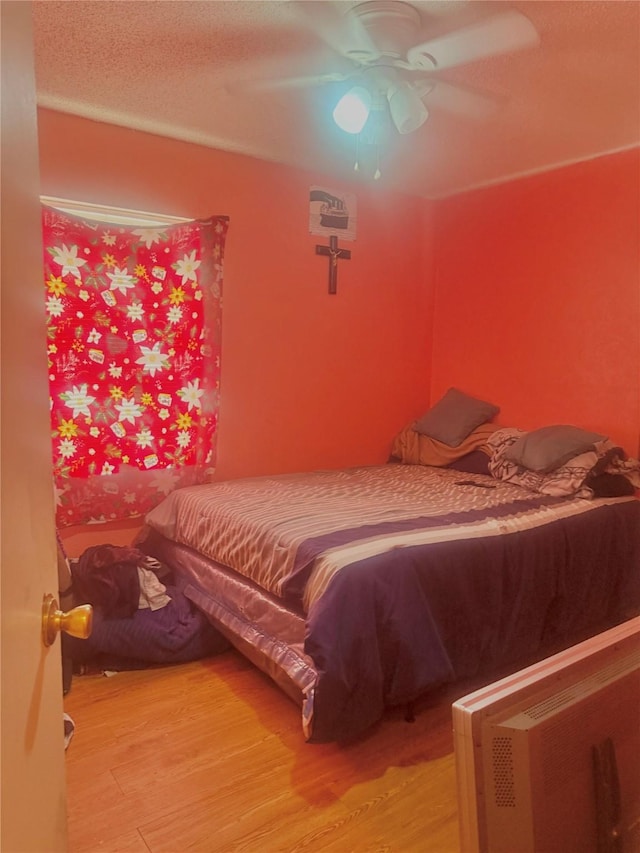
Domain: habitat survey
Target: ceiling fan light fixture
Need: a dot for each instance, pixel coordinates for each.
(407, 109)
(352, 110)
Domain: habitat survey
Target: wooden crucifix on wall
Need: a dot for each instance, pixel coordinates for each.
(334, 253)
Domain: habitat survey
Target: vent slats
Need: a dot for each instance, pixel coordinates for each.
(564, 697)
(504, 788)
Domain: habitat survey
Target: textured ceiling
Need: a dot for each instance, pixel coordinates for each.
(180, 69)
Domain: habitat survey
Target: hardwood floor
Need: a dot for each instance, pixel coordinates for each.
(209, 756)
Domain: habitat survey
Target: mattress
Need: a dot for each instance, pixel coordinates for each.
(364, 588)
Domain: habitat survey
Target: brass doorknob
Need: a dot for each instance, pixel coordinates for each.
(77, 622)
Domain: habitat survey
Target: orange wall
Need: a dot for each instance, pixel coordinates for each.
(308, 379)
(537, 297)
(526, 294)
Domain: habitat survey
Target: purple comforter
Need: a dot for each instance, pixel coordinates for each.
(391, 628)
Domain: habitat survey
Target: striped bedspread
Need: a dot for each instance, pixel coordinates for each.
(291, 533)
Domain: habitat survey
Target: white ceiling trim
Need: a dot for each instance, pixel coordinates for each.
(193, 137)
(157, 128)
(516, 176)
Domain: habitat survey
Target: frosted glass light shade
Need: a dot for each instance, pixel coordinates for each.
(407, 109)
(352, 110)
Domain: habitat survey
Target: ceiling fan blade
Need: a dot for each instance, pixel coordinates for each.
(503, 33)
(458, 100)
(266, 84)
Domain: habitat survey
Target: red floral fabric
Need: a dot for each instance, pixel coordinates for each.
(133, 318)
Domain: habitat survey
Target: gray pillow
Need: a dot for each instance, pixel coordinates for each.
(548, 448)
(454, 417)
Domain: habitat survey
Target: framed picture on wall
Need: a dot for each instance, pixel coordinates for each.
(332, 213)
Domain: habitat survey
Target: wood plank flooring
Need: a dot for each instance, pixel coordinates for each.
(209, 756)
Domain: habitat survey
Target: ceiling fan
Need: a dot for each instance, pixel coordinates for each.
(379, 51)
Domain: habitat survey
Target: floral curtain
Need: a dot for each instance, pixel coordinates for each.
(133, 319)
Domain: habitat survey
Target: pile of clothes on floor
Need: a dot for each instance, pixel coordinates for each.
(141, 615)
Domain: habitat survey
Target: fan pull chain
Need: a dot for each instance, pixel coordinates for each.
(356, 166)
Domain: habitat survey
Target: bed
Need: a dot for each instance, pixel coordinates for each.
(360, 589)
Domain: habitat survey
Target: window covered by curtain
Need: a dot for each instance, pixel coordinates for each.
(134, 317)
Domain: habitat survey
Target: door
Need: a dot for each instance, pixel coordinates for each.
(33, 802)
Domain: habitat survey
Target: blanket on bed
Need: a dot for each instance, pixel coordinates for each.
(276, 529)
(414, 448)
(574, 477)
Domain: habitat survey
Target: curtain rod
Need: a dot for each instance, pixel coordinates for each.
(107, 213)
